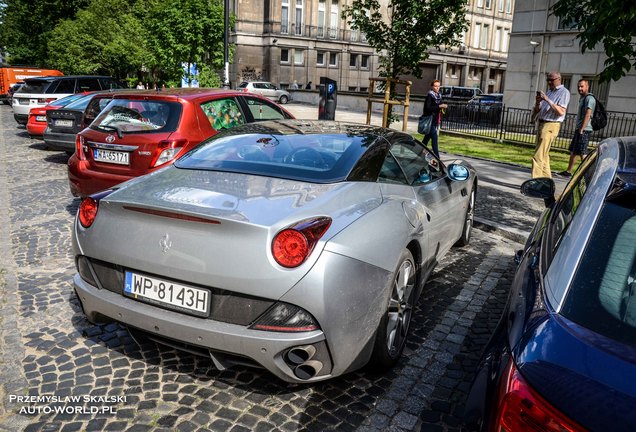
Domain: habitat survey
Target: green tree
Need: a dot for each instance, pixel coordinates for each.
(411, 29)
(186, 31)
(25, 25)
(611, 23)
(105, 38)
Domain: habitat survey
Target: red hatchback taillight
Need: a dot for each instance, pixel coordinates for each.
(87, 212)
(80, 147)
(294, 244)
(167, 150)
(523, 409)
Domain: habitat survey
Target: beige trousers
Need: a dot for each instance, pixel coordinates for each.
(541, 159)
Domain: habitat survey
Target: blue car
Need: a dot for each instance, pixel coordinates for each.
(563, 357)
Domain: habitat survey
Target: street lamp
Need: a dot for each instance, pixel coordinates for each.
(226, 31)
(534, 44)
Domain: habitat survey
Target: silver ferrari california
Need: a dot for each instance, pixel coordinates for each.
(296, 246)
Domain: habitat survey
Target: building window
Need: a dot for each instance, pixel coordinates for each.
(500, 5)
(284, 17)
(320, 58)
(504, 40)
(487, 4)
(562, 26)
(353, 60)
(321, 19)
(480, 3)
(299, 17)
(598, 89)
(484, 37)
(333, 24)
(333, 59)
(352, 89)
(284, 55)
(498, 39)
(354, 35)
(299, 56)
(364, 62)
(508, 6)
(476, 33)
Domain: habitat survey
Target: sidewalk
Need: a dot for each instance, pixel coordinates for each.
(500, 206)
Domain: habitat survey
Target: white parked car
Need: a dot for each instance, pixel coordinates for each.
(37, 92)
(266, 89)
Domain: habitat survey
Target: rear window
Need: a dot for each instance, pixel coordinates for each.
(602, 296)
(319, 158)
(35, 87)
(242, 85)
(134, 116)
(67, 99)
(80, 103)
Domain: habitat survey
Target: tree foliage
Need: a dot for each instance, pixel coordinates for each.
(25, 25)
(611, 23)
(186, 31)
(105, 38)
(413, 27)
(116, 37)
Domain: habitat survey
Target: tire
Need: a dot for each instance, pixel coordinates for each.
(467, 230)
(390, 337)
(283, 99)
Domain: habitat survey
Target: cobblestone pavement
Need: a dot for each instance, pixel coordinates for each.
(101, 379)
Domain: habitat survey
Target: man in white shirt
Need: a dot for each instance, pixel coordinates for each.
(550, 109)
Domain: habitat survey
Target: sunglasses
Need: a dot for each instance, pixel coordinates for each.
(551, 79)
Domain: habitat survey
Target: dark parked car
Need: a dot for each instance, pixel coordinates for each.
(485, 109)
(139, 133)
(563, 357)
(64, 123)
(37, 116)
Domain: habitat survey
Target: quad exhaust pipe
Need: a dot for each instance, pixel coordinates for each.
(300, 360)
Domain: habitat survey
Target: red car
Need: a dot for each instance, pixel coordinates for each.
(36, 125)
(138, 133)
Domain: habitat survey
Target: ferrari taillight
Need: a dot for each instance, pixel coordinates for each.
(523, 409)
(294, 244)
(88, 208)
(87, 212)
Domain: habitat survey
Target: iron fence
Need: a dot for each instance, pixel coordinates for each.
(514, 124)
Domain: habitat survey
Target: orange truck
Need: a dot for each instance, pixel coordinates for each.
(13, 75)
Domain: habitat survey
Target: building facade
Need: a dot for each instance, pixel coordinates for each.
(540, 43)
(287, 41)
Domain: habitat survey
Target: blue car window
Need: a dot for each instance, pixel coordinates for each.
(569, 204)
(603, 293)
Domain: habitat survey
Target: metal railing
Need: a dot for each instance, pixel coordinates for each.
(514, 124)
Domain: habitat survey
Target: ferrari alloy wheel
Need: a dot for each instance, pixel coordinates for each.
(394, 326)
(468, 221)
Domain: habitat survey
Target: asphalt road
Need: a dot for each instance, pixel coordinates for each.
(58, 372)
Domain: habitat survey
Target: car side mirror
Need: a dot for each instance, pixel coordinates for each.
(542, 187)
(458, 172)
